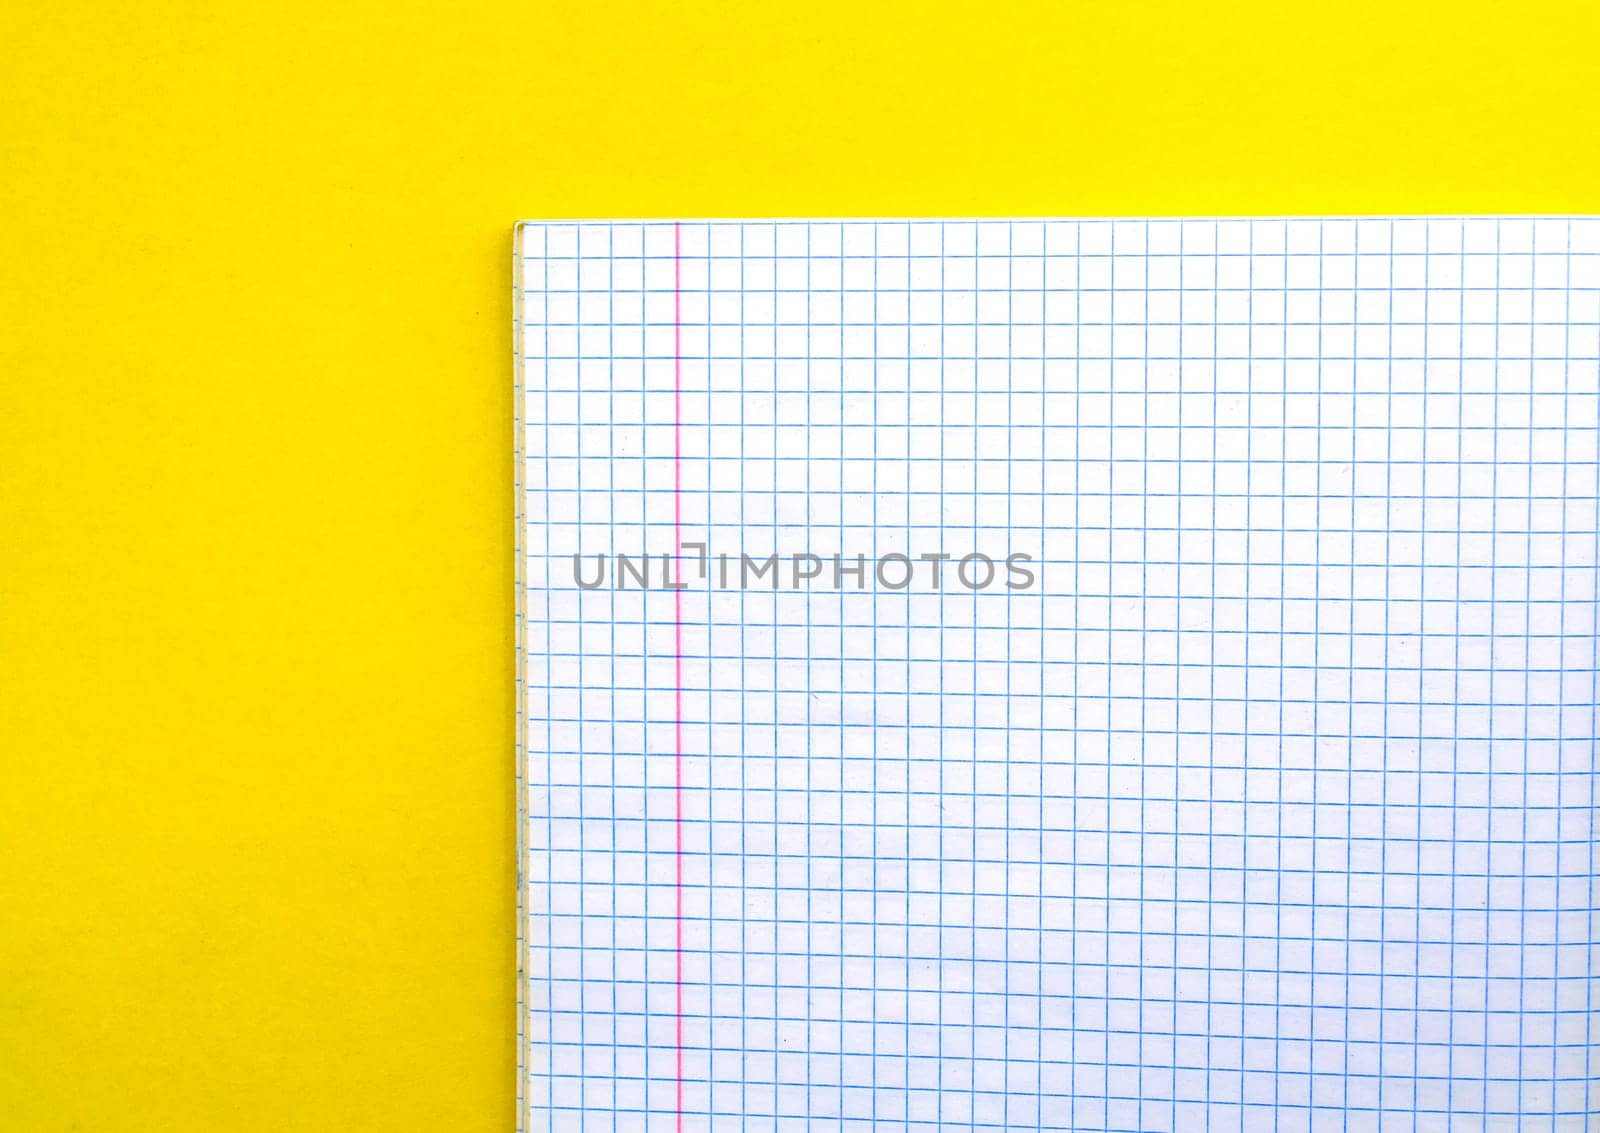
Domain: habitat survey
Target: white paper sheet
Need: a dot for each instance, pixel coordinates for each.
(1250, 785)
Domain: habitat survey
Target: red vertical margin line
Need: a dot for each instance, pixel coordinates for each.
(677, 623)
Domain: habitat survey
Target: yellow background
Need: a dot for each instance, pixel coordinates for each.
(255, 535)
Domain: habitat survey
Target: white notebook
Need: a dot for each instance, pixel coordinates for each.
(1058, 675)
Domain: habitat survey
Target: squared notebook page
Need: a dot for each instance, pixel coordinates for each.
(1251, 786)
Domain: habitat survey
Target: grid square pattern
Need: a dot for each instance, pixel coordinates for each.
(1269, 806)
